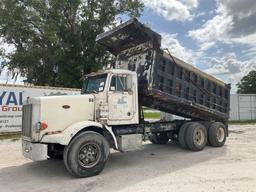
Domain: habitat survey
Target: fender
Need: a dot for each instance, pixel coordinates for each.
(113, 136)
(65, 137)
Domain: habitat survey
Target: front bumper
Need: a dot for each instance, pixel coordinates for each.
(34, 151)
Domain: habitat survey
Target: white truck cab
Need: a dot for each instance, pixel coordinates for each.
(116, 96)
(108, 98)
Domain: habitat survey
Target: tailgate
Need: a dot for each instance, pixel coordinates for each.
(127, 35)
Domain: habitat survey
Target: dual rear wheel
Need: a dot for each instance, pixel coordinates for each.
(217, 134)
(194, 135)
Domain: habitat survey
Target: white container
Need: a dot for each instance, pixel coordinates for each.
(243, 107)
(13, 96)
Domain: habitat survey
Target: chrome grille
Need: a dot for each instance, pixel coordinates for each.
(27, 120)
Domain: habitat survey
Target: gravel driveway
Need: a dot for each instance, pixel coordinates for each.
(154, 168)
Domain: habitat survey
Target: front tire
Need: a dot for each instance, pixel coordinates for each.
(87, 154)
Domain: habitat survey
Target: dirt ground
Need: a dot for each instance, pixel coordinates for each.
(154, 168)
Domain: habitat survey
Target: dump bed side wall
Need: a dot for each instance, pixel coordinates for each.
(174, 80)
(172, 87)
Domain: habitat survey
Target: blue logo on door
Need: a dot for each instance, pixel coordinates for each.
(121, 101)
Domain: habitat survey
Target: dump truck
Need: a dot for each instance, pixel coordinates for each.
(109, 112)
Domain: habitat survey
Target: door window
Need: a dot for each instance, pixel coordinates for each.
(118, 83)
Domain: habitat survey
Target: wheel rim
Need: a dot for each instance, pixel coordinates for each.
(220, 134)
(89, 155)
(199, 136)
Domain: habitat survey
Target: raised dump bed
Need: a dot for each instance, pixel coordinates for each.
(166, 83)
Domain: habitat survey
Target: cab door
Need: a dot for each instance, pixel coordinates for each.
(122, 100)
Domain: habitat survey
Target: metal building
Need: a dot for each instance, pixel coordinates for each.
(243, 107)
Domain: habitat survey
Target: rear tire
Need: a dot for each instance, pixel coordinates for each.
(182, 135)
(86, 155)
(217, 134)
(196, 136)
(159, 138)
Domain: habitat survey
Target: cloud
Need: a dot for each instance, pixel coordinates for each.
(172, 9)
(7, 48)
(6, 77)
(230, 69)
(249, 53)
(171, 42)
(243, 14)
(225, 64)
(234, 22)
(5, 74)
(201, 14)
(247, 39)
(212, 31)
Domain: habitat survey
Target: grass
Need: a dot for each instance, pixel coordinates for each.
(156, 115)
(13, 136)
(243, 122)
(151, 115)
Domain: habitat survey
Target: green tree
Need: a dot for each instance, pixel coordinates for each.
(55, 39)
(247, 85)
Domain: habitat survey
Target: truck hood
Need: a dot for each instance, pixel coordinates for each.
(59, 112)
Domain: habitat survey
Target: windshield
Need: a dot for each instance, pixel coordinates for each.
(94, 84)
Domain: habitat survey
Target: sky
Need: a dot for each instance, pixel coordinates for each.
(216, 36)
